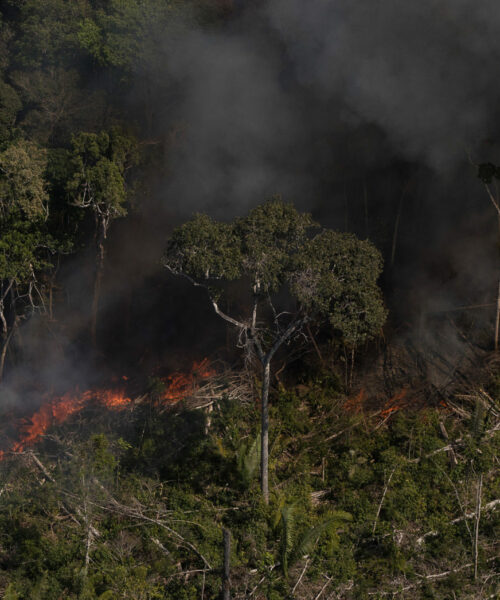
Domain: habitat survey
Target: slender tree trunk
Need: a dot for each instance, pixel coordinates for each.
(496, 203)
(352, 370)
(497, 320)
(315, 345)
(101, 236)
(396, 230)
(346, 217)
(3, 354)
(476, 525)
(6, 335)
(226, 586)
(397, 223)
(264, 454)
(365, 199)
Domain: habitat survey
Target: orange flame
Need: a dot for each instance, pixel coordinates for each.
(394, 404)
(57, 410)
(355, 403)
(179, 385)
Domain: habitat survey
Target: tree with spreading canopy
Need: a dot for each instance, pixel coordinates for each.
(24, 239)
(328, 277)
(97, 183)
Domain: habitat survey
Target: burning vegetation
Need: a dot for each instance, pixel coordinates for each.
(351, 449)
(55, 410)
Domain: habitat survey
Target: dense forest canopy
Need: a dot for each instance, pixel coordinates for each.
(321, 175)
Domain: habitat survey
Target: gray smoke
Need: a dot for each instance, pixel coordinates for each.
(291, 92)
(330, 102)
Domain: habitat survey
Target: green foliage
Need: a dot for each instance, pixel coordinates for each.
(22, 184)
(336, 275)
(25, 241)
(47, 33)
(194, 490)
(331, 276)
(121, 34)
(205, 249)
(10, 593)
(307, 542)
(249, 460)
(98, 165)
(287, 535)
(271, 235)
(10, 105)
(20, 245)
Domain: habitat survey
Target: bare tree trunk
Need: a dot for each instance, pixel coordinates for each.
(3, 353)
(102, 230)
(476, 526)
(397, 223)
(5, 288)
(315, 345)
(496, 203)
(396, 230)
(264, 453)
(346, 218)
(352, 370)
(226, 586)
(497, 321)
(365, 198)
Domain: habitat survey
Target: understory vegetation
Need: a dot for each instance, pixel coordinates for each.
(363, 504)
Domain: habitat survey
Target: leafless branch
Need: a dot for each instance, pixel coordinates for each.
(382, 501)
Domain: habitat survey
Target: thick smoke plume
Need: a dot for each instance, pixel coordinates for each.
(290, 92)
(369, 114)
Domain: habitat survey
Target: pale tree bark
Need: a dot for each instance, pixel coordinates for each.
(3, 353)
(497, 319)
(6, 331)
(266, 382)
(397, 223)
(476, 524)
(264, 440)
(226, 571)
(101, 235)
(250, 340)
(495, 201)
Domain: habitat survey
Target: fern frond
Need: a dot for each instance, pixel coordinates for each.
(249, 459)
(287, 534)
(308, 540)
(278, 514)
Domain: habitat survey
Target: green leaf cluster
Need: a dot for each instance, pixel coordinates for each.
(98, 163)
(331, 276)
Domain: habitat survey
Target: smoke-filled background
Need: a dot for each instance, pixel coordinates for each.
(367, 114)
(371, 115)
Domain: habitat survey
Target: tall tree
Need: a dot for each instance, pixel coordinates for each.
(97, 183)
(329, 277)
(50, 71)
(24, 240)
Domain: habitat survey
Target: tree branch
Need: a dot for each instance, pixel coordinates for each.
(195, 283)
(492, 198)
(289, 331)
(382, 501)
